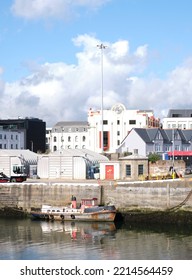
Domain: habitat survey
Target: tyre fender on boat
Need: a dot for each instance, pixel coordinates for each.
(51, 217)
(62, 217)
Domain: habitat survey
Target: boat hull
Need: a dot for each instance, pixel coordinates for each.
(100, 216)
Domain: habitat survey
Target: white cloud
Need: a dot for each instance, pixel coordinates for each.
(35, 9)
(59, 92)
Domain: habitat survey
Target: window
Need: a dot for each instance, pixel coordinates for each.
(118, 121)
(132, 121)
(167, 148)
(11, 136)
(84, 138)
(55, 148)
(5, 137)
(118, 132)
(105, 139)
(55, 139)
(105, 122)
(69, 138)
(118, 142)
(76, 138)
(128, 170)
(158, 135)
(157, 148)
(140, 169)
(176, 115)
(176, 135)
(0, 136)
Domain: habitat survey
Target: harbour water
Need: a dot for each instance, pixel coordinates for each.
(26, 239)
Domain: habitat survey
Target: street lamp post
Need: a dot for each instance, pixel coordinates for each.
(102, 47)
(173, 152)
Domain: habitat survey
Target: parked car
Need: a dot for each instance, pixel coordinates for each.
(4, 178)
(188, 170)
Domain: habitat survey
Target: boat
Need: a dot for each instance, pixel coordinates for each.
(88, 210)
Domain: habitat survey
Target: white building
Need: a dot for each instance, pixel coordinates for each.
(48, 138)
(11, 139)
(68, 135)
(117, 122)
(178, 118)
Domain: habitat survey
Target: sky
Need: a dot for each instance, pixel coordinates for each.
(52, 68)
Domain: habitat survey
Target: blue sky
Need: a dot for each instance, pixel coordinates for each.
(50, 65)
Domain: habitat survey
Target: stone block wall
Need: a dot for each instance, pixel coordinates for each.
(152, 195)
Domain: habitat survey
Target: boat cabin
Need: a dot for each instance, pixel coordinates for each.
(89, 202)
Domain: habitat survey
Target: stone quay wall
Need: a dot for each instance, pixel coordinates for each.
(126, 196)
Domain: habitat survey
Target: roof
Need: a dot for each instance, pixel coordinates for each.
(84, 153)
(134, 156)
(26, 155)
(148, 135)
(71, 123)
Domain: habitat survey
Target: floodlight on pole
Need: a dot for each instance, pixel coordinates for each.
(102, 47)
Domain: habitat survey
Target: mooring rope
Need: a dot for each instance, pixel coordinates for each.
(174, 208)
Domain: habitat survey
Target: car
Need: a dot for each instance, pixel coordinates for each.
(188, 170)
(4, 178)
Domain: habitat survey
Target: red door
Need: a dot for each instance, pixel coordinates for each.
(109, 172)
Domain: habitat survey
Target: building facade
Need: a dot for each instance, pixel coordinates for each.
(33, 130)
(11, 139)
(117, 123)
(68, 135)
(178, 118)
(160, 141)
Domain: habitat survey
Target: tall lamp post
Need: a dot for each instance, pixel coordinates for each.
(102, 47)
(173, 152)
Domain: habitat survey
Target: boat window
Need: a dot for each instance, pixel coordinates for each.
(58, 210)
(53, 210)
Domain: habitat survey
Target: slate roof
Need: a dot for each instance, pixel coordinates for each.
(71, 123)
(149, 134)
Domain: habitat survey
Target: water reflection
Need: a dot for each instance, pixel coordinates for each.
(43, 240)
(80, 230)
